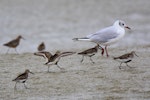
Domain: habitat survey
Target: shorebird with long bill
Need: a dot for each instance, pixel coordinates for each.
(89, 53)
(53, 59)
(13, 43)
(107, 36)
(22, 78)
(125, 58)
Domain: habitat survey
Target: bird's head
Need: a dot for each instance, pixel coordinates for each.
(28, 71)
(121, 24)
(133, 52)
(20, 37)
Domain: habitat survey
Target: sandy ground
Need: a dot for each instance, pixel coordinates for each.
(80, 81)
(56, 22)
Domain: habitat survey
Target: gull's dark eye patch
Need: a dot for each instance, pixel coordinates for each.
(120, 23)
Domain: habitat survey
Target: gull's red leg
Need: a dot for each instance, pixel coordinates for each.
(106, 51)
(102, 52)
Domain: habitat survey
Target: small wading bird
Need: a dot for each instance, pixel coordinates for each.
(22, 78)
(41, 47)
(89, 53)
(126, 58)
(53, 59)
(107, 36)
(13, 43)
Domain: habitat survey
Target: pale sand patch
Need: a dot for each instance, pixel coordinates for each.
(80, 81)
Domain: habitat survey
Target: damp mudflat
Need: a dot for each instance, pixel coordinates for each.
(79, 81)
(56, 23)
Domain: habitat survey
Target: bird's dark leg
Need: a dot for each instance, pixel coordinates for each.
(102, 50)
(91, 58)
(48, 65)
(48, 69)
(16, 51)
(120, 65)
(82, 59)
(58, 65)
(106, 51)
(127, 64)
(7, 51)
(25, 85)
(15, 86)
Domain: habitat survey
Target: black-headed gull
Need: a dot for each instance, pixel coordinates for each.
(107, 36)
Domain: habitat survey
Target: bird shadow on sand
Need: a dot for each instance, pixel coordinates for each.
(51, 72)
(56, 72)
(126, 68)
(22, 89)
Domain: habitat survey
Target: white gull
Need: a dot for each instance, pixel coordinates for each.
(107, 36)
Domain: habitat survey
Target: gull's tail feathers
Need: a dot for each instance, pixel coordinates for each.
(81, 39)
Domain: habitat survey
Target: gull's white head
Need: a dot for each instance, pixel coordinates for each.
(121, 23)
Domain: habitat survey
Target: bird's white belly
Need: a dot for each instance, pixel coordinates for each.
(114, 40)
(21, 81)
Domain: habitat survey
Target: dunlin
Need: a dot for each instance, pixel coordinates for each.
(107, 36)
(89, 53)
(41, 47)
(47, 55)
(125, 58)
(22, 78)
(54, 59)
(13, 43)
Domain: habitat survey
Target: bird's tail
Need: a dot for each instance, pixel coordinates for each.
(81, 39)
(46, 62)
(115, 58)
(4, 44)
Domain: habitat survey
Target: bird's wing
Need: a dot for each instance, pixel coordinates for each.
(103, 35)
(12, 42)
(41, 47)
(44, 54)
(125, 56)
(87, 51)
(20, 77)
(48, 55)
(63, 54)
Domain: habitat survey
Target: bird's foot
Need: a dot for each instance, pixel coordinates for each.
(102, 52)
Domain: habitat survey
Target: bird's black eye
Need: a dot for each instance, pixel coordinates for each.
(123, 24)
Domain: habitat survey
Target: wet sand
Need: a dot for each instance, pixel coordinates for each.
(80, 81)
(56, 22)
